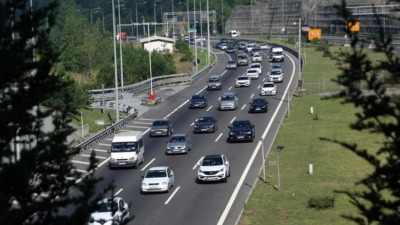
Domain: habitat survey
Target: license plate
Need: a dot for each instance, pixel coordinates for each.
(258, 109)
(121, 163)
(175, 150)
(156, 187)
(158, 132)
(240, 136)
(210, 178)
(203, 129)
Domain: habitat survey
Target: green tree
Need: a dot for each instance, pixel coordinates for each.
(379, 200)
(44, 153)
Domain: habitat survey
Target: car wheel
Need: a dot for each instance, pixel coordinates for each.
(225, 180)
(110, 167)
(213, 130)
(169, 133)
(229, 174)
(199, 181)
(168, 189)
(136, 164)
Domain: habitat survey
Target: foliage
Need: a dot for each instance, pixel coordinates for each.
(315, 41)
(327, 53)
(183, 47)
(41, 152)
(379, 200)
(291, 40)
(321, 202)
(268, 37)
(323, 45)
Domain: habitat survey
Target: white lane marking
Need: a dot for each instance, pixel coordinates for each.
(259, 86)
(209, 108)
(98, 166)
(98, 157)
(105, 144)
(70, 178)
(109, 139)
(80, 162)
(118, 192)
(99, 150)
(81, 171)
(169, 199)
(233, 119)
(218, 137)
(192, 124)
(243, 106)
(252, 96)
(140, 122)
(230, 88)
(223, 73)
(177, 109)
(264, 79)
(144, 119)
(146, 131)
(246, 170)
(201, 90)
(195, 165)
(147, 164)
(136, 126)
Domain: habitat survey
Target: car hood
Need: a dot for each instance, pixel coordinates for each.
(240, 129)
(268, 88)
(159, 127)
(211, 168)
(227, 102)
(179, 144)
(204, 124)
(197, 100)
(213, 82)
(155, 180)
(275, 75)
(242, 81)
(102, 215)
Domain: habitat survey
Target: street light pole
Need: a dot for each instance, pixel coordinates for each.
(173, 22)
(130, 11)
(187, 13)
(137, 28)
(115, 63)
(155, 19)
(299, 48)
(120, 46)
(91, 16)
(208, 34)
(195, 31)
(222, 16)
(102, 16)
(201, 25)
(151, 76)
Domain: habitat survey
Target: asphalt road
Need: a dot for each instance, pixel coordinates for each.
(189, 202)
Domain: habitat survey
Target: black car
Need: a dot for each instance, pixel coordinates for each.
(198, 101)
(218, 45)
(230, 49)
(231, 43)
(241, 130)
(205, 124)
(223, 40)
(237, 41)
(259, 105)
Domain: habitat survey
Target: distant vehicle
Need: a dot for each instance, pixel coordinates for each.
(277, 54)
(241, 46)
(214, 168)
(105, 208)
(161, 127)
(249, 48)
(243, 81)
(158, 179)
(218, 45)
(228, 100)
(127, 150)
(237, 41)
(252, 74)
(214, 82)
(224, 46)
(268, 88)
(252, 43)
(230, 49)
(241, 130)
(257, 57)
(223, 40)
(276, 75)
(255, 51)
(232, 33)
(124, 36)
(231, 64)
(198, 101)
(205, 124)
(242, 59)
(256, 66)
(179, 143)
(186, 38)
(263, 46)
(259, 105)
(277, 66)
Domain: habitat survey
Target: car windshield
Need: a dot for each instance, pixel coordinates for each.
(205, 120)
(231, 62)
(252, 71)
(268, 85)
(243, 124)
(107, 207)
(276, 73)
(256, 55)
(213, 80)
(156, 173)
(124, 35)
(197, 97)
(249, 46)
(255, 66)
(255, 50)
(177, 139)
(212, 162)
(123, 146)
(160, 123)
(242, 57)
(258, 101)
(277, 66)
(224, 44)
(277, 53)
(243, 78)
(227, 98)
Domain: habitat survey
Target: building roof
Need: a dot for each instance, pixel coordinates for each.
(156, 38)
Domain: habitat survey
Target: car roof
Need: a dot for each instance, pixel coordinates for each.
(242, 121)
(200, 95)
(162, 120)
(268, 82)
(214, 156)
(178, 135)
(228, 93)
(275, 69)
(159, 168)
(214, 76)
(244, 77)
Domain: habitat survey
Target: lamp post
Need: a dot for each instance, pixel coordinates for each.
(130, 11)
(187, 13)
(162, 18)
(278, 149)
(173, 21)
(102, 16)
(195, 31)
(137, 29)
(208, 34)
(115, 64)
(155, 19)
(120, 47)
(299, 49)
(91, 16)
(222, 16)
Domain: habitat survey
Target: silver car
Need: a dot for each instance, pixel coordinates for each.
(228, 100)
(179, 143)
(242, 59)
(214, 82)
(161, 128)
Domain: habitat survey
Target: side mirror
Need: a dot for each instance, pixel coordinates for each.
(252, 126)
(142, 176)
(229, 127)
(215, 120)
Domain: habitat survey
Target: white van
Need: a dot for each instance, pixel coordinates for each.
(127, 150)
(232, 33)
(277, 54)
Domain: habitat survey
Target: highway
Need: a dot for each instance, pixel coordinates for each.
(189, 202)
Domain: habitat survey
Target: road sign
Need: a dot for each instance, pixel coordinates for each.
(214, 31)
(283, 29)
(127, 96)
(182, 35)
(192, 30)
(204, 17)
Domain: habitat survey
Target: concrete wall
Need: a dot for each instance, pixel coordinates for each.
(158, 46)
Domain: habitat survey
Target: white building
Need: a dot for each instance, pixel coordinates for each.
(158, 44)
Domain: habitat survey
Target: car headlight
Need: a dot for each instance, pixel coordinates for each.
(201, 102)
(264, 107)
(251, 107)
(164, 129)
(131, 158)
(144, 184)
(211, 126)
(183, 146)
(231, 133)
(168, 147)
(221, 170)
(249, 132)
(218, 84)
(116, 217)
(164, 183)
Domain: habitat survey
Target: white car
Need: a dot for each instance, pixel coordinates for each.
(103, 215)
(224, 46)
(276, 75)
(252, 73)
(257, 58)
(268, 88)
(263, 46)
(256, 66)
(158, 179)
(213, 168)
(249, 48)
(203, 39)
(243, 81)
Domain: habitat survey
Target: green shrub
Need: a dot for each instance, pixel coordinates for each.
(268, 37)
(327, 53)
(187, 57)
(338, 63)
(315, 41)
(342, 54)
(333, 57)
(322, 47)
(321, 202)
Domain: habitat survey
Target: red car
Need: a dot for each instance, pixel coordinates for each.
(124, 36)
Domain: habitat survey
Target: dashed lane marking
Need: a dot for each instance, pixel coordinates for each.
(218, 137)
(233, 119)
(230, 88)
(258, 87)
(192, 124)
(99, 150)
(80, 162)
(97, 157)
(209, 108)
(195, 165)
(169, 199)
(148, 164)
(252, 96)
(104, 144)
(118, 191)
(243, 106)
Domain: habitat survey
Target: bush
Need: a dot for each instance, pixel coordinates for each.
(268, 37)
(333, 57)
(327, 53)
(321, 202)
(315, 41)
(338, 63)
(187, 57)
(322, 47)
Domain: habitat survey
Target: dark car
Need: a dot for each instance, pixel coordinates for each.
(259, 105)
(161, 128)
(230, 49)
(205, 124)
(231, 43)
(198, 101)
(218, 45)
(224, 40)
(241, 130)
(237, 41)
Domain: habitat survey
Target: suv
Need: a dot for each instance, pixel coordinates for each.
(205, 124)
(241, 130)
(197, 101)
(243, 81)
(256, 66)
(228, 100)
(242, 59)
(161, 128)
(214, 82)
(276, 75)
(213, 168)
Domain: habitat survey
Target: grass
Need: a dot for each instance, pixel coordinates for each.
(335, 168)
(202, 56)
